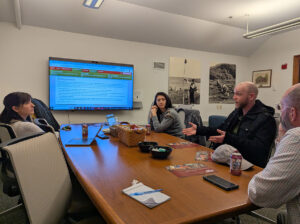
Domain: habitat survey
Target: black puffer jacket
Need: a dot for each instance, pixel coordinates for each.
(255, 135)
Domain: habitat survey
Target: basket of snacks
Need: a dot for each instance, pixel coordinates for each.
(114, 128)
(131, 135)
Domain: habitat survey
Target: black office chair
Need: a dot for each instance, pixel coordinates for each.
(42, 111)
(43, 124)
(191, 115)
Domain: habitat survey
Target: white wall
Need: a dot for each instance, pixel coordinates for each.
(24, 67)
(278, 50)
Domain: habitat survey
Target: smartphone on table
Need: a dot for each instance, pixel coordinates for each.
(220, 182)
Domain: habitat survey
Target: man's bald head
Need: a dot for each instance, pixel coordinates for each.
(244, 96)
(290, 106)
(291, 97)
(250, 87)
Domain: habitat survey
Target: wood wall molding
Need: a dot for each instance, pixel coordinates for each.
(296, 72)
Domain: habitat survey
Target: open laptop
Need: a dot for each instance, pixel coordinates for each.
(83, 141)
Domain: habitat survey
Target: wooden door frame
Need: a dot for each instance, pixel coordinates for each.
(296, 69)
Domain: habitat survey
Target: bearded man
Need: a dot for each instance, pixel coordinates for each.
(279, 182)
(250, 128)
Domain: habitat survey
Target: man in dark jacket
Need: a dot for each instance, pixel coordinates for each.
(250, 128)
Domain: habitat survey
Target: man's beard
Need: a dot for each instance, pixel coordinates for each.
(243, 104)
(285, 122)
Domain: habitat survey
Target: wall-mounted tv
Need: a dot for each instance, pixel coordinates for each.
(89, 85)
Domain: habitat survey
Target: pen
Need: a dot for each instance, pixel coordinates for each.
(145, 192)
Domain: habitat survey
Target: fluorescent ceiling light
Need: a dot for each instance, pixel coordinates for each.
(272, 29)
(94, 4)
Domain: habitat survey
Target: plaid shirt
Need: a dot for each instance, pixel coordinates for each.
(279, 182)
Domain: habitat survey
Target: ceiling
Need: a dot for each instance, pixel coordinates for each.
(192, 24)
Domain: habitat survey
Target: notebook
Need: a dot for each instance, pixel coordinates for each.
(146, 195)
(83, 141)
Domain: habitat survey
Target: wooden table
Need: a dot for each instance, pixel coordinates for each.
(108, 166)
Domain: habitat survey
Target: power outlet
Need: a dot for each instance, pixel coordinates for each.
(137, 95)
(219, 107)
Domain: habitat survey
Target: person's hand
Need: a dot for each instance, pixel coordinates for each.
(218, 138)
(190, 131)
(154, 110)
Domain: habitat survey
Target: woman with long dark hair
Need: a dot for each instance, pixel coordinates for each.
(163, 117)
(17, 111)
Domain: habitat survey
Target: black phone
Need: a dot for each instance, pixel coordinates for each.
(220, 182)
(102, 136)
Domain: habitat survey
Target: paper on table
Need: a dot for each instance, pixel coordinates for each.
(150, 200)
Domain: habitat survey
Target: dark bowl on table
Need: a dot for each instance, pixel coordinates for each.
(163, 153)
(146, 146)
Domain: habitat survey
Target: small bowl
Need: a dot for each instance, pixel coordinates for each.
(146, 146)
(160, 155)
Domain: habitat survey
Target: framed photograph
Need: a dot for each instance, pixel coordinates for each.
(262, 78)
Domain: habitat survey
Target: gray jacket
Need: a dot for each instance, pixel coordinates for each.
(169, 123)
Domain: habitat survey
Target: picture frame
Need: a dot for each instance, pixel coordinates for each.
(262, 78)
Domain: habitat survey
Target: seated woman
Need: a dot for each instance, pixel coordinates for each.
(17, 111)
(163, 117)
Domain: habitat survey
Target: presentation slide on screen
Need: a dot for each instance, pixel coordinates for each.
(90, 88)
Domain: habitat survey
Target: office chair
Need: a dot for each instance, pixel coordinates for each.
(192, 115)
(215, 121)
(42, 176)
(42, 111)
(10, 185)
(43, 124)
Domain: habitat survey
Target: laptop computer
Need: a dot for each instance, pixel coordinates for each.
(83, 141)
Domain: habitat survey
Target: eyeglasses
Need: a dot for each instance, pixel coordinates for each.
(278, 106)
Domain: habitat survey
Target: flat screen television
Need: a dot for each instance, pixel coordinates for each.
(89, 85)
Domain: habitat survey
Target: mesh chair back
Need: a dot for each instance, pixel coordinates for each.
(42, 111)
(194, 117)
(43, 124)
(43, 177)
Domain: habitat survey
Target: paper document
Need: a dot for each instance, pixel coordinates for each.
(146, 195)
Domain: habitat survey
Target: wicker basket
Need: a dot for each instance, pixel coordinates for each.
(131, 137)
(114, 129)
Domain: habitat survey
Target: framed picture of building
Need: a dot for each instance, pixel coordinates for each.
(262, 78)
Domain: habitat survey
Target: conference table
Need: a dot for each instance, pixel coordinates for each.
(108, 166)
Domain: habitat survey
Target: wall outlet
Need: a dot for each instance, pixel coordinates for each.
(137, 95)
(219, 107)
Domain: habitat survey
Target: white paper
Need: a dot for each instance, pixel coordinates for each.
(150, 200)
